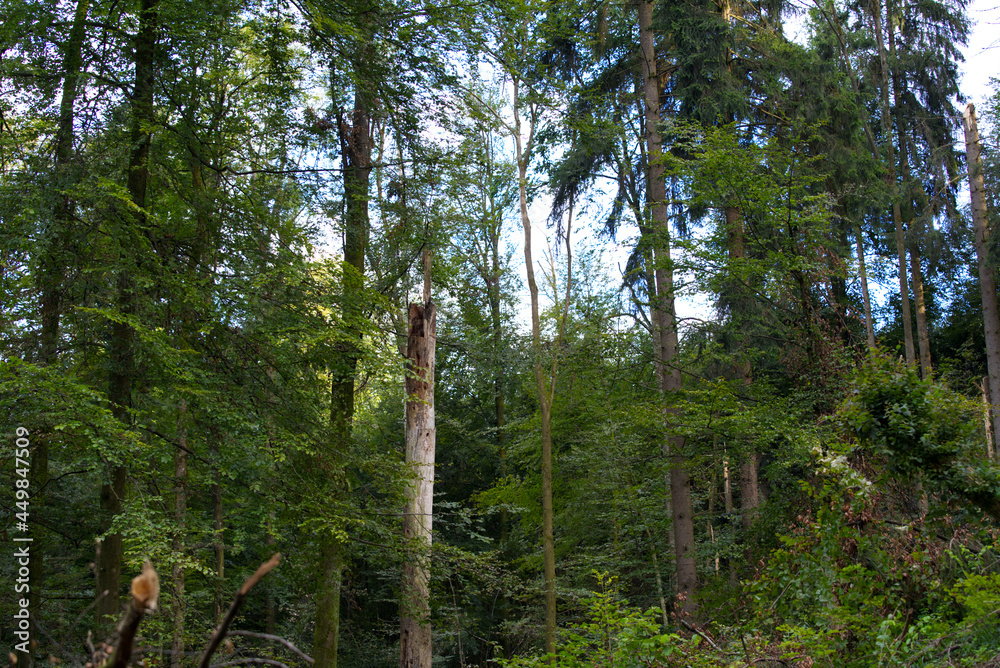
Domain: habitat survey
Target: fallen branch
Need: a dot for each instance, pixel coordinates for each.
(220, 633)
(693, 629)
(55, 644)
(236, 662)
(267, 636)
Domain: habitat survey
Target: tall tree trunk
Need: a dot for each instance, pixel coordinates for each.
(52, 278)
(845, 59)
(53, 262)
(218, 525)
(911, 219)
(987, 274)
(122, 352)
(109, 550)
(180, 517)
(662, 312)
(749, 488)
(863, 271)
(499, 383)
(897, 215)
(356, 151)
(415, 628)
(522, 148)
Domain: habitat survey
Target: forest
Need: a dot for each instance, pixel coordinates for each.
(511, 333)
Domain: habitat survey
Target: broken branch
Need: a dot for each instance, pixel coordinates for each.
(220, 632)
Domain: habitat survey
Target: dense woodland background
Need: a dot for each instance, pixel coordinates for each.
(213, 218)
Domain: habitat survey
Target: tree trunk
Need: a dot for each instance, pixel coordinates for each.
(544, 397)
(897, 216)
(749, 488)
(122, 351)
(863, 271)
(218, 526)
(52, 277)
(987, 274)
(109, 550)
(499, 384)
(356, 149)
(330, 577)
(545, 408)
(53, 263)
(180, 517)
(415, 628)
(911, 219)
(662, 312)
(984, 388)
(916, 232)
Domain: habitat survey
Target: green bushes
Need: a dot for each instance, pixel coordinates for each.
(611, 633)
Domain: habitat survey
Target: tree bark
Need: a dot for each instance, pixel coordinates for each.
(662, 312)
(415, 628)
(984, 388)
(987, 274)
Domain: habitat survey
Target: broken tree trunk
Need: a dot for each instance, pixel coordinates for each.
(415, 628)
(987, 274)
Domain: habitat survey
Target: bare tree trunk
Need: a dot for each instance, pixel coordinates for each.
(911, 219)
(662, 311)
(415, 637)
(109, 550)
(987, 274)
(916, 279)
(727, 486)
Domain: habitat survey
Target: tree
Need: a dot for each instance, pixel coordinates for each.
(663, 315)
(921, 66)
(415, 628)
(987, 279)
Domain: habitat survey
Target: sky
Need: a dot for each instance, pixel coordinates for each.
(982, 55)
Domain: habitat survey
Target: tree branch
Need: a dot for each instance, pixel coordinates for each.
(220, 632)
(267, 636)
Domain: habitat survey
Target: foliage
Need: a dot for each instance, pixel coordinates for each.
(184, 340)
(614, 634)
(925, 430)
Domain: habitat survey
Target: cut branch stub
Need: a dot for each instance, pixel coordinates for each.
(145, 593)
